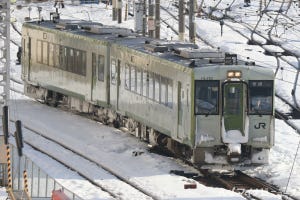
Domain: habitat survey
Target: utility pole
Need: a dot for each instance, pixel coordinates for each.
(5, 52)
(151, 27)
(144, 17)
(114, 10)
(157, 19)
(119, 10)
(126, 11)
(192, 32)
(181, 20)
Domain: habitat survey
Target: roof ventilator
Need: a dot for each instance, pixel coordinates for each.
(192, 53)
(66, 25)
(98, 29)
(155, 47)
(230, 59)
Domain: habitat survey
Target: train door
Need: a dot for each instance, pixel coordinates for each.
(115, 82)
(98, 78)
(180, 111)
(118, 82)
(26, 57)
(234, 111)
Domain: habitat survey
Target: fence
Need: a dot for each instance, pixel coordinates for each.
(40, 184)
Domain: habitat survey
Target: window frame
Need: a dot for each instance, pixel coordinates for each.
(250, 112)
(217, 112)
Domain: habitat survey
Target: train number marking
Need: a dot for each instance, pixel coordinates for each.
(206, 78)
(260, 125)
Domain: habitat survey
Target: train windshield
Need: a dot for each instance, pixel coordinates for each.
(261, 97)
(206, 97)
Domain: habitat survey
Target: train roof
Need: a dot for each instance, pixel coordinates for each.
(186, 54)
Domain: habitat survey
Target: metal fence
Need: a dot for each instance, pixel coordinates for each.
(40, 184)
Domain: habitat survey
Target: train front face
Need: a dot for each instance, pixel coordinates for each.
(234, 115)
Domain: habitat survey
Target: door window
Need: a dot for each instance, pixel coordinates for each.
(206, 97)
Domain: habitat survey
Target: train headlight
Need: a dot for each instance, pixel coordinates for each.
(234, 74)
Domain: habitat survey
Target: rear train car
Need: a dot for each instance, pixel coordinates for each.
(202, 104)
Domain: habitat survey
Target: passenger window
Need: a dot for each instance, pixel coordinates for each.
(145, 83)
(127, 76)
(139, 81)
(70, 64)
(94, 64)
(151, 85)
(113, 76)
(39, 51)
(45, 53)
(23, 46)
(206, 97)
(157, 88)
(170, 93)
(163, 90)
(132, 78)
(83, 63)
(56, 55)
(100, 68)
(78, 60)
(51, 54)
(261, 97)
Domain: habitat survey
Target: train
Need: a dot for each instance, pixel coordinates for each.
(202, 104)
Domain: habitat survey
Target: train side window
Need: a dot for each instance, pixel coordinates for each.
(23, 47)
(39, 51)
(206, 97)
(100, 64)
(127, 76)
(170, 93)
(151, 85)
(77, 61)
(70, 57)
(138, 81)
(56, 55)
(45, 53)
(51, 54)
(132, 78)
(94, 64)
(145, 83)
(113, 75)
(163, 90)
(157, 88)
(261, 97)
(83, 63)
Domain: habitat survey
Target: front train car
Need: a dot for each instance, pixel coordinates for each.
(234, 115)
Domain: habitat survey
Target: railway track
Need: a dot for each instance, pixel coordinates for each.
(239, 181)
(121, 181)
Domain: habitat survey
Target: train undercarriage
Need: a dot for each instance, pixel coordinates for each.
(110, 117)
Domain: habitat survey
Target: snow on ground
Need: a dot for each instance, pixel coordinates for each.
(115, 150)
(154, 172)
(3, 194)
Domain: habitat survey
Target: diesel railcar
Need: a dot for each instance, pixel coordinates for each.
(203, 104)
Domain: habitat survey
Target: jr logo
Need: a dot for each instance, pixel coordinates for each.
(260, 125)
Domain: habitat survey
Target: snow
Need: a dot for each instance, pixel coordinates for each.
(115, 149)
(3, 194)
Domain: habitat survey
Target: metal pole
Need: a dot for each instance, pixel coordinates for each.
(192, 32)
(5, 52)
(126, 11)
(119, 7)
(151, 19)
(157, 19)
(181, 20)
(144, 18)
(114, 10)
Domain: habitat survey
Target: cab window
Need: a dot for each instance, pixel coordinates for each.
(261, 97)
(206, 97)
